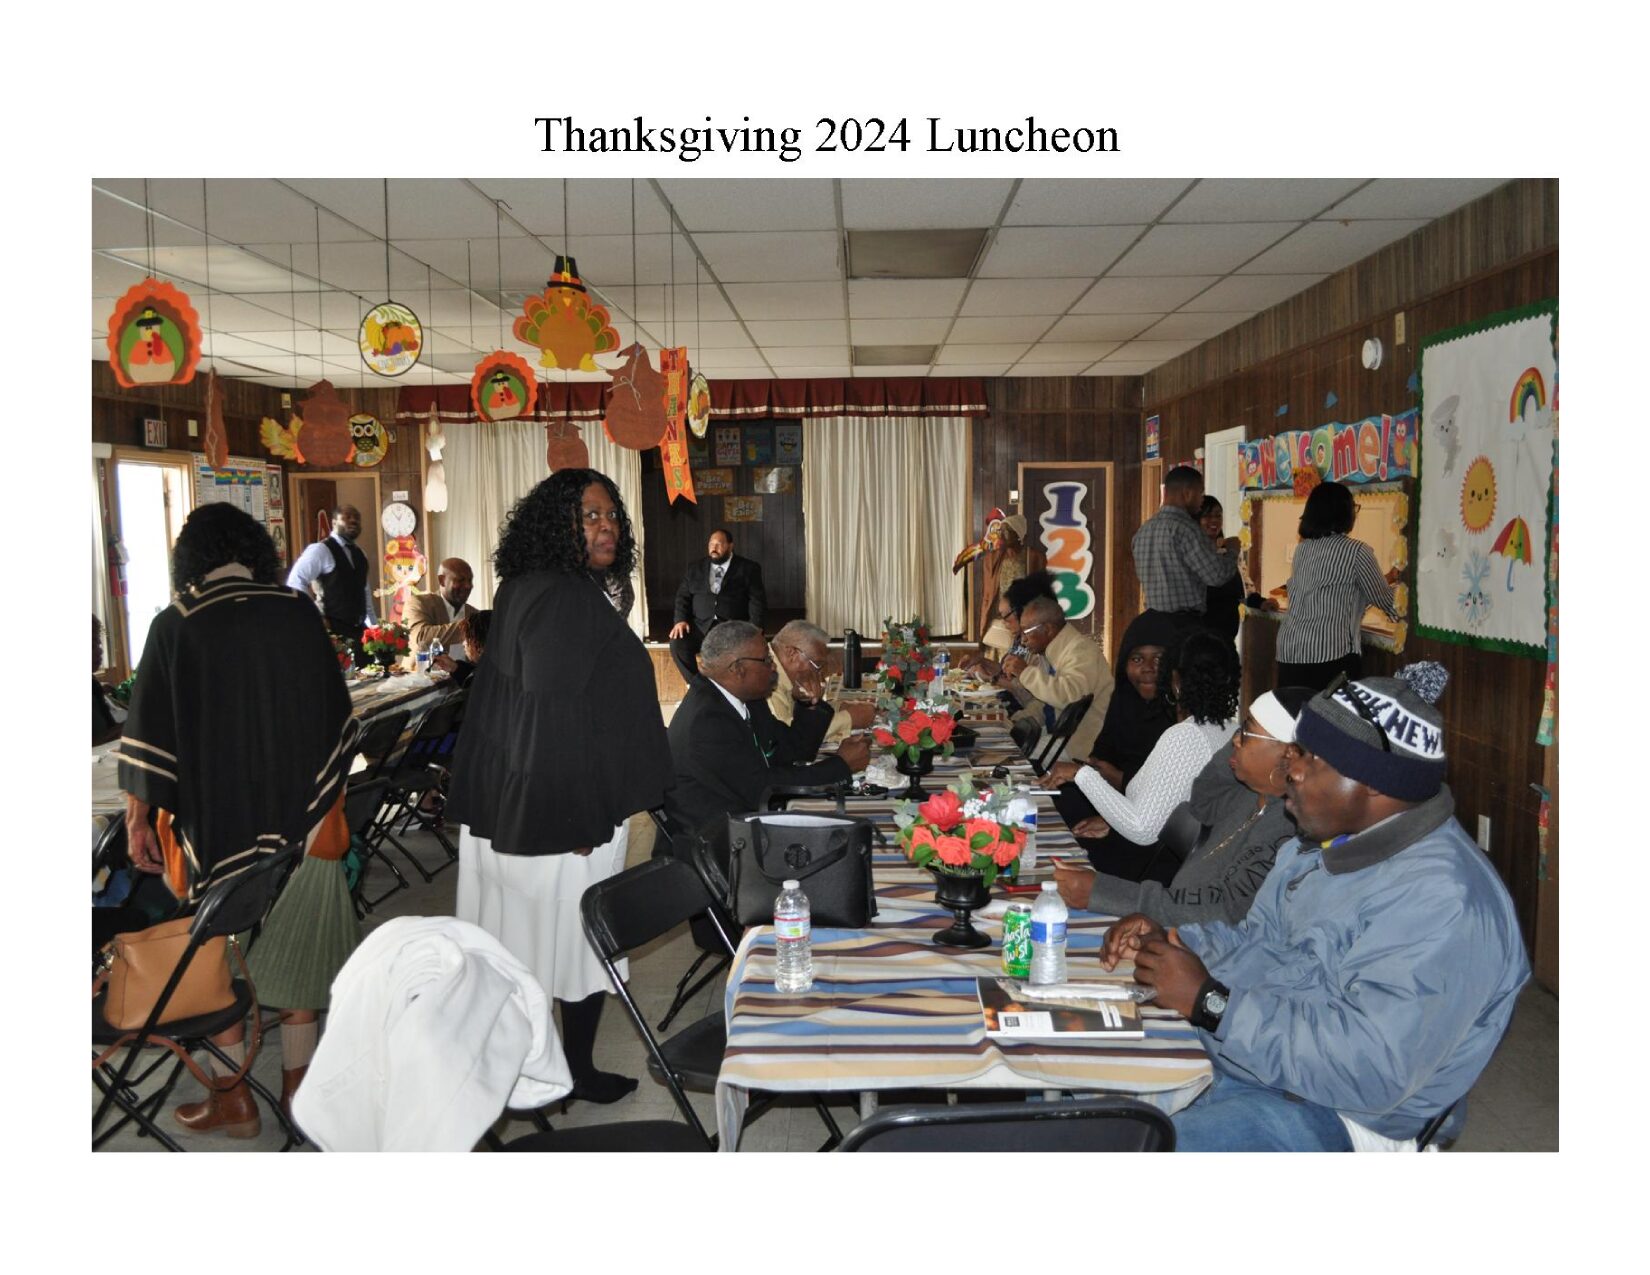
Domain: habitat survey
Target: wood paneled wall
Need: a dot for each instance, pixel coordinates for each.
(1497, 253)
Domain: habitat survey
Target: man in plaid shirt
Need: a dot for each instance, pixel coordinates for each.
(1172, 556)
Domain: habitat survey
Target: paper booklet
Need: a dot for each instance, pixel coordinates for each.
(1024, 1017)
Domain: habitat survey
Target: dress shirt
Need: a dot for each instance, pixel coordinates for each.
(316, 561)
(738, 704)
(717, 571)
(1175, 563)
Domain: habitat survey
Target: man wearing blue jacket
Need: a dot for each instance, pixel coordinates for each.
(1378, 967)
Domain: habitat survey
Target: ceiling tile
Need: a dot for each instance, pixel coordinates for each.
(1142, 351)
(1194, 324)
(537, 204)
(829, 370)
(900, 331)
(971, 369)
(793, 332)
(1122, 367)
(1095, 202)
(1084, 352)
(1252, 292)
(807, 356)
(1021, 296)
(1261, 199)
(1199, 250)
(112, 276)
(233, 270)
(787, 301)
(709, 306)
(733, 204)
(1149, 295)
(1001, 328)
(763, 257)
(1100, 327)
(740, 358)
(921, 204)
(1048, 369)
(1329, 246)
(896, 369)
(899, 298)
(1057, 251)
(1409, 197)
(981, 353)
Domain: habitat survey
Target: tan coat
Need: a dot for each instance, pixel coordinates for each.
(782, 704)
(426, 620)
(1080, 669)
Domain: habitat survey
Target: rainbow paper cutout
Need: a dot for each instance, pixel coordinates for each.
(1529, 387)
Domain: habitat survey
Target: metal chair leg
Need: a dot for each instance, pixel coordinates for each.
(682, 997)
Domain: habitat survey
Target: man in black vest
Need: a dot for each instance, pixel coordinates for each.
(716, 588)
(338, 572)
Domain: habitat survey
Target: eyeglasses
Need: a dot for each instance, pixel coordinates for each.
(1032, 628)
(808, 659)
(755, 659)
(1241, 735)
(593, 516)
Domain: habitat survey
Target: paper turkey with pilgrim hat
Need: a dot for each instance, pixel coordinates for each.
(636, 411)
(503, 387)
(564, 324)
(320, 437)
(154, 336)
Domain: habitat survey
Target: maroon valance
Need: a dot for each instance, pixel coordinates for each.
(735, 400)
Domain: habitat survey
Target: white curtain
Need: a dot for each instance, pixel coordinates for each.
(884, 499)
(490, 467)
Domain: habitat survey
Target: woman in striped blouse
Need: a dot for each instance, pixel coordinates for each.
(1335, 579)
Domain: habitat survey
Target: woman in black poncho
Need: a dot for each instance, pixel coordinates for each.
(562, 742)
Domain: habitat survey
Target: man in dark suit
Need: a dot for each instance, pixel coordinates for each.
(715, 589)
(726, 747)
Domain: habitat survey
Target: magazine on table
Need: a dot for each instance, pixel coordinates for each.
(1015, 1011)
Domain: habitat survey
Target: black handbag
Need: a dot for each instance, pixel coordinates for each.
(829, 854)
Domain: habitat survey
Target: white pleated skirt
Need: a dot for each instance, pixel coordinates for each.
(530, 903)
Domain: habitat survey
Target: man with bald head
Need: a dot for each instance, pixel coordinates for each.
(1062, 666)
(442, 616)
(800, 652)
(337, 575)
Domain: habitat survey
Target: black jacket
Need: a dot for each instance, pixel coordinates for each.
(742, 596)
(718, 757)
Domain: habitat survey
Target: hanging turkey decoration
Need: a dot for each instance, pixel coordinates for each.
(503, 387)
(673, 452)
(564, 446)
(322, 437)
(215, 441)
(566, 326)
(636, 402)
(154, 336)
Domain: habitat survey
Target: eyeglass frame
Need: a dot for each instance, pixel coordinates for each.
(765, 658)
(1240, 733)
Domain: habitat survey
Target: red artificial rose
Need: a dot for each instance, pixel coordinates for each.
(1004, 852)
(883, 737)
(892, 671)
(909, 732)
(925, 674)
(974, 827)
(943, 726)
(919, 719)
(921, 835)
(943, 809)
(910, 704)
(954, 851)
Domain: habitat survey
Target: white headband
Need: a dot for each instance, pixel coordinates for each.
(1274, 717)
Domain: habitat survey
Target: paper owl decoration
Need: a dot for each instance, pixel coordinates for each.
(154, 336)
(636, 403)
(566, 326)
(503, 387)
(371, 439)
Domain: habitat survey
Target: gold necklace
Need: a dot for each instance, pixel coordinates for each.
(1236, 832)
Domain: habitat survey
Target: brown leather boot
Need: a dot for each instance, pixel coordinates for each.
(291, 1078)
(234, 1112)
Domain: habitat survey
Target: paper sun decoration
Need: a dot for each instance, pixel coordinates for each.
(503, 387)
(154, 336)
(636, 403)
(391, 339)
(565, 324)
(673, 452)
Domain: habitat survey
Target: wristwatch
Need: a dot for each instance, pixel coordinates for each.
(1209, 1005)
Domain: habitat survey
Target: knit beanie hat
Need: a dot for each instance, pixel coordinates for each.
(1382, 731)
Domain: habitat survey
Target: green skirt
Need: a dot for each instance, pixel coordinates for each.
(310, 933)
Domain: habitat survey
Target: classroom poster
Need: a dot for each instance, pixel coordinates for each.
(1153, 437)
(727, 445)
(787, 443)
(1487, 394)
(714, 482)
(742, 509)
(773, 479)
(758, 444)
(698, 452)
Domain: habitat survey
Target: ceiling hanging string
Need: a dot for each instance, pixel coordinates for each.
(386, 239)
(320, 309)
(635, 280)
(498, 262)
(429, 302)
(292, 291)
(206, 244)
(673, 333)
(148, 229)
(565, 235)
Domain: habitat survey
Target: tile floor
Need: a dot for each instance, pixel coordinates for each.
(1514, 1107)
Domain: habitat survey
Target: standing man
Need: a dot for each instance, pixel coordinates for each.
(799, 650)
(716, 588)
(336, 573)
(1174, 560)
(1378, 965)
(442, 616)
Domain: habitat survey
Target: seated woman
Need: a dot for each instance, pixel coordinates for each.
(1139, 711)
(475, 642)
(1238, 804)
(1204, 690)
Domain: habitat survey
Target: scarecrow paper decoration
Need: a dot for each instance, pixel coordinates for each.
(391, 339)
(216, 439)
(154, 336)
(503, 387)
(699, 405)
(371, 440)
(435, 478)
(636, 403)
(564, 446)
(322, 437)
(404, 567)
(565, 324)
(673, 452)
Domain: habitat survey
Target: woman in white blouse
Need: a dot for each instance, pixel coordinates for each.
(1204, 687)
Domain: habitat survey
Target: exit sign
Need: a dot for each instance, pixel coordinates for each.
(154, 433)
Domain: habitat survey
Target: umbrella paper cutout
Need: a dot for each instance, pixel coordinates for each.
(1514, 543)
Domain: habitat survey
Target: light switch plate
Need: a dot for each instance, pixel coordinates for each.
(1484, 833)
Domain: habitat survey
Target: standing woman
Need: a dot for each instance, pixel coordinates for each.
(1335, 579)
(562, 743)
(1220, 608)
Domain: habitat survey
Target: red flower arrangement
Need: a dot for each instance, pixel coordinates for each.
(959, 832)
(385, 643)
(912, 731)
(340, 648)
(907, 659)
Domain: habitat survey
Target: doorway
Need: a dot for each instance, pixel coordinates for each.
(152, 499)
(313, 498)
(1220, 475)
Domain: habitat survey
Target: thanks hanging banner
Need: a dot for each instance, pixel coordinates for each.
(1375, 449)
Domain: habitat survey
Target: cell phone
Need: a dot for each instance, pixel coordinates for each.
(1034, 887)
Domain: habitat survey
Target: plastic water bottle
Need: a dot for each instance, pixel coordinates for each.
(1048, 936)
(1022, 808)
(793, 940)
(422, 661)
(942, 666)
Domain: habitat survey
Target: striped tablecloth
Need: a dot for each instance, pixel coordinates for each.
(889, 1009)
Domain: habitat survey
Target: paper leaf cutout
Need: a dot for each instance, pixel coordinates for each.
(327, 440)
(565, 325)
(564, 446)
(154, 336)
(699, 405)
(503, 387)
(636, 403)
(216, 438)
(370, 438)
(391, 339)
(673, 452)
(282, 440)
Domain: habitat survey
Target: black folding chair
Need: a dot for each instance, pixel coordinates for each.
(362, 804)
(1025, 733)
(378, 743)
(419, 773)
(1065, 726)
(1092, 1124)
(627, 1135)
(1431, 1130)
(229, 908)
(633, 908)
(697, 851)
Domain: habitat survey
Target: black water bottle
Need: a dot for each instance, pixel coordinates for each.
(850, 660)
